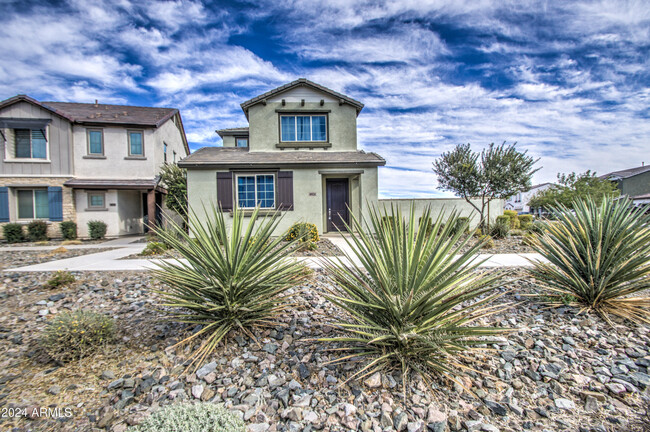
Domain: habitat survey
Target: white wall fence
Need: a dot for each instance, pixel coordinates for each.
(444, 205)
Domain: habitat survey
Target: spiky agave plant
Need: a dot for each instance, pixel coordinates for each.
(412, 298)
(235, 278)
(600, 255)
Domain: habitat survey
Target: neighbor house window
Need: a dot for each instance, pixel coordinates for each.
(30, 144)
(241, 142)
(136, 143)
(303, 128)
(164, 152)
(33, 204)
(258, 189)
(96, 200)
(95, 142)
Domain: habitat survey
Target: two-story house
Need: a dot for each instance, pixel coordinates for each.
(633, 183)
(80, 162)
(299, 154)
(519, 201)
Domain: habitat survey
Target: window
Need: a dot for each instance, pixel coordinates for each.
(241, 142)
(30, 143)
(136, 143)
(96, 200)
(33, 204)
(303, 128)
(164, 152)
(95, 142)
(253, 190)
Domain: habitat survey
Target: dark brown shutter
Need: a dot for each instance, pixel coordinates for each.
(224, 190)
(285, 190)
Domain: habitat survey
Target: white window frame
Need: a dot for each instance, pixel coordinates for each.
(33, 205)
(255, 175)
(311, 116)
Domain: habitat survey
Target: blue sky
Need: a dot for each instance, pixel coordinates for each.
(568, 80)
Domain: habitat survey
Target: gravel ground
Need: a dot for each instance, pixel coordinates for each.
(558, 371)
(13, 259)
(47, 243)
(512, 244)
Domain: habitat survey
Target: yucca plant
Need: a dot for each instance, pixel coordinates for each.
(235, 278)
(599, 254)
(413, 299)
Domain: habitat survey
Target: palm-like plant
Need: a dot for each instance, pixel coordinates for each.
(413, 298)
(600, 255)
(234, 278)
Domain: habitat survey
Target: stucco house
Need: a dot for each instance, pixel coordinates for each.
(633, 183)
(519, 201)
(82, 161)
(299, 155)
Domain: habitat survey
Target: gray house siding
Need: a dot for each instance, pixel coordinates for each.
(59, 140)
(635, 185)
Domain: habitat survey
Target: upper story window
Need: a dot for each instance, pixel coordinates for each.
(30, 144)
(241, 142)
(33, 204)
(164, 152)
(95, 141)
(303, 128)
(256, 189)
(136, 143)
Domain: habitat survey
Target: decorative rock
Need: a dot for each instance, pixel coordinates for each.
(374, 380)
(496, 408)
(197, 391)
(258, 427)
(270, 348)
(591, 404)
(210, 367)
(116, 384)
(54, 390)
(417, 426)
(108, 375)
(400, 422)
(565, 404)
(616, 388)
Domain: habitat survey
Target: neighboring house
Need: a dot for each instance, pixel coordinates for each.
(519, 201)
(81, 162)
(298, 155)
(633, 183)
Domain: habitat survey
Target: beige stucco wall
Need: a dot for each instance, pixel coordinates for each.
(123, 213)
(443, 205)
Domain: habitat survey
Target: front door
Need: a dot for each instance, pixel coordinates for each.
(337, 204)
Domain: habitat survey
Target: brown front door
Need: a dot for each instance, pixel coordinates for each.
(337, 204)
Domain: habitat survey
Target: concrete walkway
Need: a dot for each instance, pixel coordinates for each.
(118, 242)
(111, 260)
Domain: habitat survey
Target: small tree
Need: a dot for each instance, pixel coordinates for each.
(175, 181)
(496, 173)
(573, 187)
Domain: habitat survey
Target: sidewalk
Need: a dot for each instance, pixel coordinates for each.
(118, 242)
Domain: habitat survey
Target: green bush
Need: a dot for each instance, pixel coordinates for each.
(37, 230)
(500, 229)
(411, 297)
(76, 334)
(198, 417)
(513, 218)
(529, 238)
(96, 229)
(236, 286)
(303, 231)
(537, 227)
(525, 221)
(486, 242)
(60, 278)
(68, 230)
(461, 224)
(600, 254)
(426, 224)
(154, 248)
(13, 233)
(503, 219)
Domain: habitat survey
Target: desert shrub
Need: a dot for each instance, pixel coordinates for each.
(536, 227)
(525, 221)
(60, 278)
(426, 224)
(96, 229)
(459, 225)
(500, 229)
(37, 230)
(70, 242)
(486, 242)
(154, 248)
(529, 238)
(239, 285)
(517, 232)
(513, 217)
(600, 254)
(76, 334)
(404, 296)
(68, 230)
(13, 233)
(198, 417)
(503, 219)
(303, 231)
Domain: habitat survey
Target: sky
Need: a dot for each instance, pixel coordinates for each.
(569, 81)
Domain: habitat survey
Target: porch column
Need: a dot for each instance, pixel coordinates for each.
(151, 208)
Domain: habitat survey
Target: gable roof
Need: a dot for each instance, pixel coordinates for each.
(630, 172)
(301, 82)
(237, 157)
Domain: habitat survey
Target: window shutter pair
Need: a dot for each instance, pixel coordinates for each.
(55, 202)
(284, 193)
(4, 204)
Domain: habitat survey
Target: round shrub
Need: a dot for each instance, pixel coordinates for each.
(76, 334)
(199, 417)
(503, 219)
(37, 230)
(462, 223)
(488, 243)
(500, 229)
(13, 233)
(513, 217)
(307, 231)
(525, 221)
(60, 278)
(68, 230)
(96, 229)
(154, 248)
